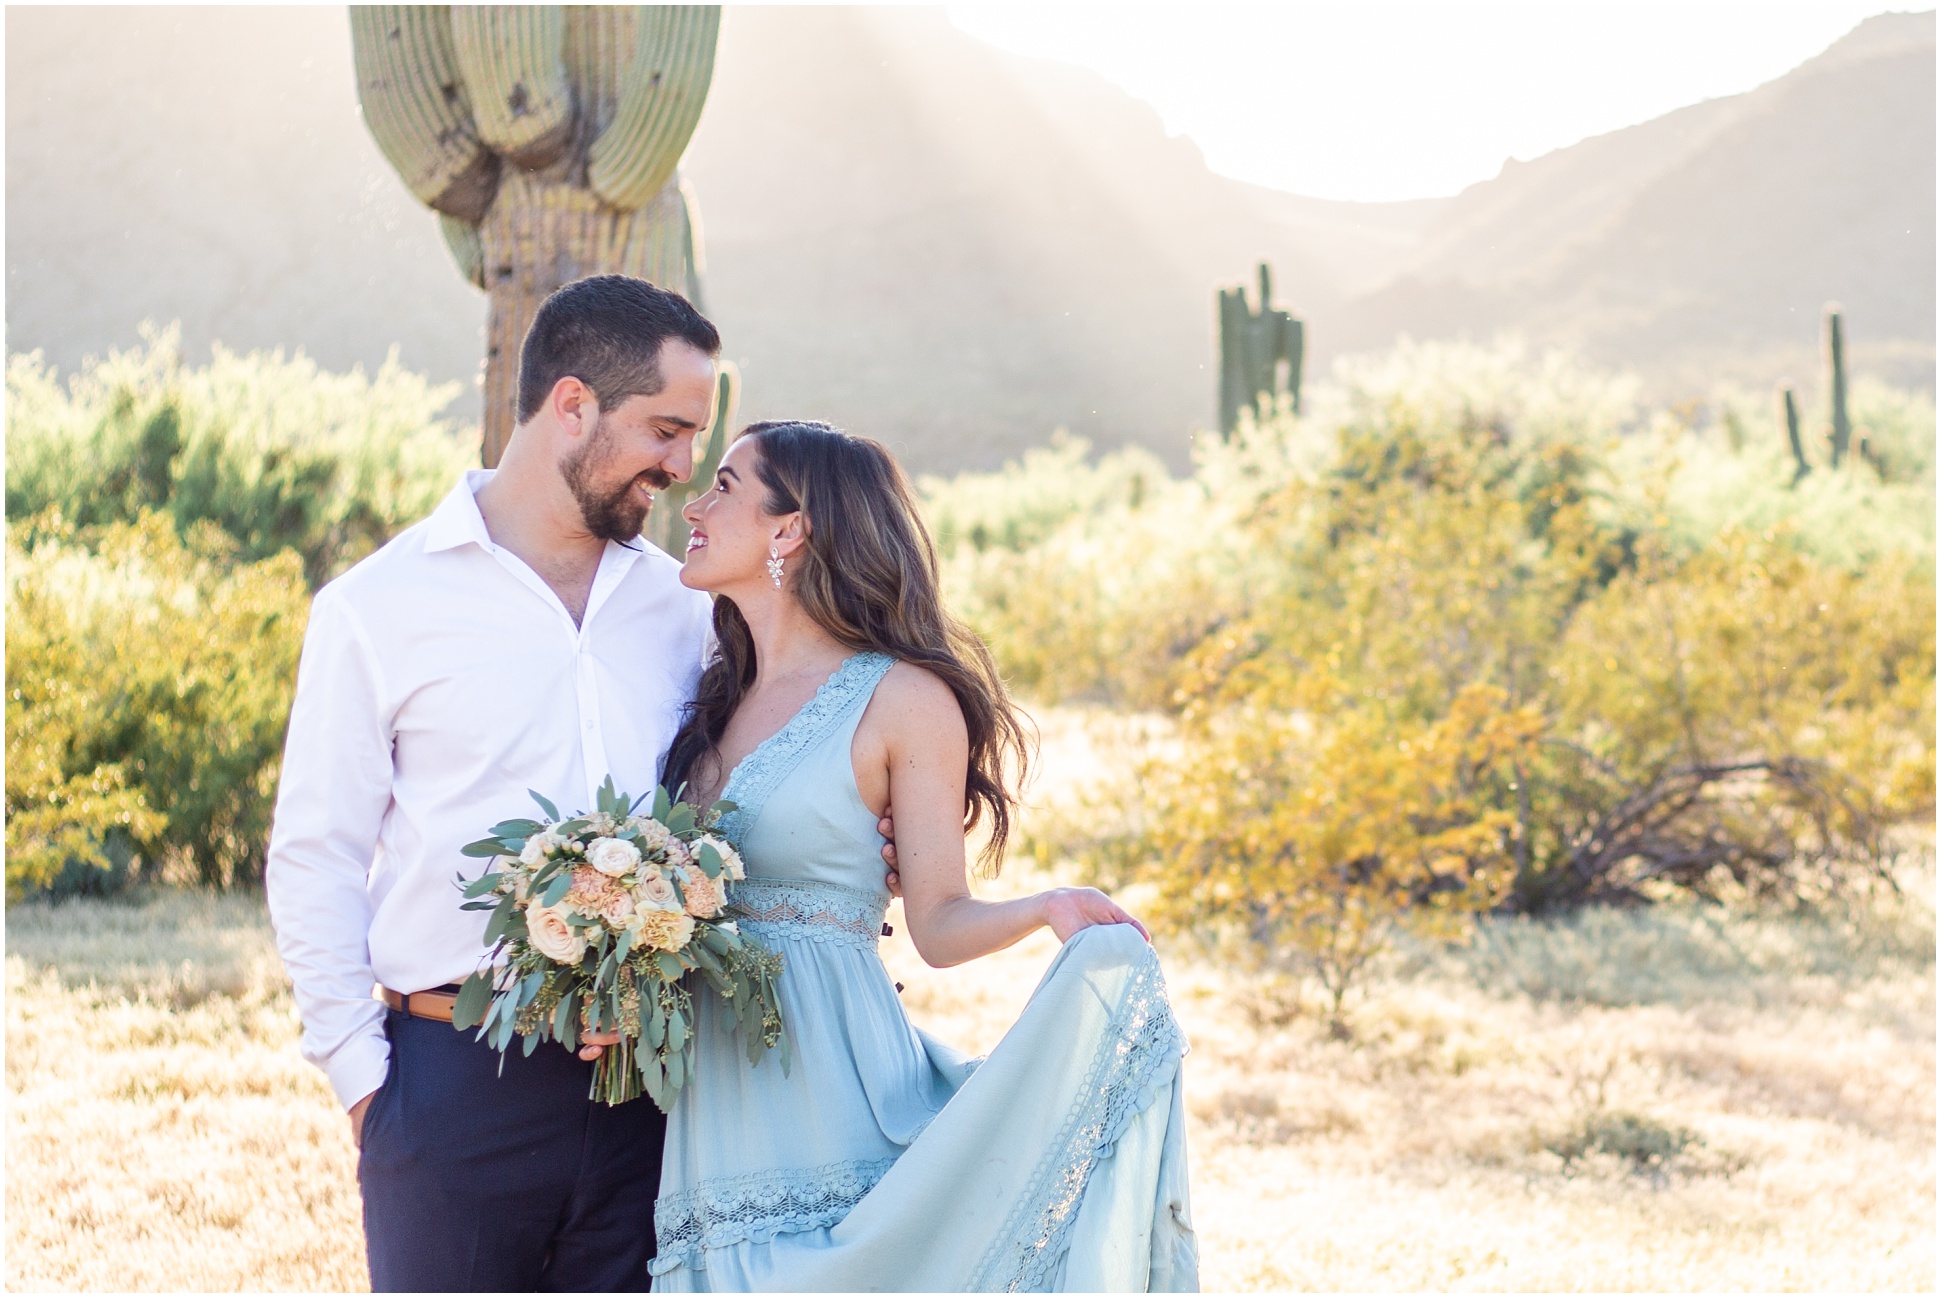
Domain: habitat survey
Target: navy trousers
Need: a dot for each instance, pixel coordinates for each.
(474, 1180)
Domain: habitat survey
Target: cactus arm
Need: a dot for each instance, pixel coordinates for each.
(1789, 415)
(510, 57)
(1233, 315)
(467, 249)
(1294, 348)
(415, 106)
(635, 156)
(1836, 358)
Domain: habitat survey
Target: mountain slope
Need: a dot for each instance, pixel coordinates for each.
(1705, 243)
(955, 249)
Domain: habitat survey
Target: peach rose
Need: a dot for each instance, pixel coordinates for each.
(656, 893)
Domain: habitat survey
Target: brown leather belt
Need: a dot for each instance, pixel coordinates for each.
(435, 1005)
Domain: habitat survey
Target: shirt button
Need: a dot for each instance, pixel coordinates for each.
(589, 723)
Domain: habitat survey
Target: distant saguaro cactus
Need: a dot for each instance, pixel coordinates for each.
(1789, 420)
(1254, 344)
(1841, 434)
(546, 138)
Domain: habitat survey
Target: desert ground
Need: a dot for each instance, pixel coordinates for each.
(1675, 1099)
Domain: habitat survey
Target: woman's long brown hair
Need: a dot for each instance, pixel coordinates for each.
(868, 576)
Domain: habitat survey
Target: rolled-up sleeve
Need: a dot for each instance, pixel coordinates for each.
(336, 787)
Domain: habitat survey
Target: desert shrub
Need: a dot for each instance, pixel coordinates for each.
(276, 452)
(1088, 578)
(149, 679)
(166, 524)
(1480, 630)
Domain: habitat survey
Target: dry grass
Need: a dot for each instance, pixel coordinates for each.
(161, 1131)
(1670, 1100)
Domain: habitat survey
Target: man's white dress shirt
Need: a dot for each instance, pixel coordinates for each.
(441, 679)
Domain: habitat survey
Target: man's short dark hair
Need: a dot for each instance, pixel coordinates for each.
(607, 332)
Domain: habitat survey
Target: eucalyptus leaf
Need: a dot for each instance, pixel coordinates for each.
(545, 804)
(483, 847)
(676, 1030)
(710, 860)
(500, 924)
(670, 966)
(483, 884)
(562, 883)
(474, 994)
(521, 829)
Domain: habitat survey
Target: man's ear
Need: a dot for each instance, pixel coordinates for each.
(791, 533)
(574, 406)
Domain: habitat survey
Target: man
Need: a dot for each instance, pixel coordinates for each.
(522, 637)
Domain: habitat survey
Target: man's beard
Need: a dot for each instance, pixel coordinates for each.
(610, 513)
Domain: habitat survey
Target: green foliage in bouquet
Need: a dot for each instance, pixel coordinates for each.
(596, 924)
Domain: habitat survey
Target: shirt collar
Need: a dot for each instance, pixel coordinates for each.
(457, 520)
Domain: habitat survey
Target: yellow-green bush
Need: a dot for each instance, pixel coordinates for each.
(148, 685)
(1480, 629)
(279, 454)
(166, 525)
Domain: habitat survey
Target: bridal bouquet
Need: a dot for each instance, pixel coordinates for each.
(596, 923)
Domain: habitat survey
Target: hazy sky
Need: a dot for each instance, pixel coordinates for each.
(1382, 100)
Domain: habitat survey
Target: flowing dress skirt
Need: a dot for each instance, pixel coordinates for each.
(885, 1160)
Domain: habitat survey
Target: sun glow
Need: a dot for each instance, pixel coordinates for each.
(1387, 100)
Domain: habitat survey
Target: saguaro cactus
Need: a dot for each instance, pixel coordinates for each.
(547, 139)
(1789, 420)
(1254, 344)
(1841, 433)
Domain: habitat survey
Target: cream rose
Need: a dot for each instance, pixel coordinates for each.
(656, 893)
(730, 859)
(612, 857)
(665, 930)
(537, 846)
(552, 936)
(704, 895)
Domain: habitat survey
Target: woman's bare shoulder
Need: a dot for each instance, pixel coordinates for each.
(915, 701)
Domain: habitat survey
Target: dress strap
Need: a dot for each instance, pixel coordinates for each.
(848, 688)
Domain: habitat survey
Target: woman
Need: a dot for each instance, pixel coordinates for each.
(881, 1159)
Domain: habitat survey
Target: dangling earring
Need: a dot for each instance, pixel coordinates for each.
(775, 566)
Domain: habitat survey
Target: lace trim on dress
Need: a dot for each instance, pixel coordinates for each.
(763, 770)
(756, 1207)
(1143, 1044)
(818, 912)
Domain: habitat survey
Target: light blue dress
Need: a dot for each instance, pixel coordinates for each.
(885, 1160)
